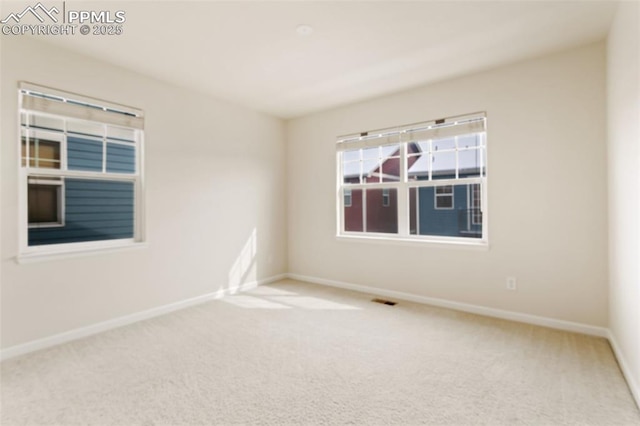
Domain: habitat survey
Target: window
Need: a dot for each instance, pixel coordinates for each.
(80, 172)
(45, 202)
(423, 182)
(347, 198)
(476, 205)
(444, 197)
(385, 197)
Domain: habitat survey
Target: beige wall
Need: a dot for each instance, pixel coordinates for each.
(623, 85)
(215, 178)
(547, 192)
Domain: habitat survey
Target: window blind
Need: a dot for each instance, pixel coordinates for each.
(435, 129)
(69, 106)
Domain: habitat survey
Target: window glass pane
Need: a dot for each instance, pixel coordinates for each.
(48, 153)
(444, 165)
(44, 203)
(371, 153)
(94, 210)
(353, 155)
(418, 166)
(444, 144)
(390, 169)
(85, 128)
(84, 154)
(351, 172)
(425, 218)
(46, 122)
(43, 153)
(370, 169)
(114, 132)
(120, 158)
(469, 141)
(469, 162)
(382, 211)
(371, 165)
(353, 219)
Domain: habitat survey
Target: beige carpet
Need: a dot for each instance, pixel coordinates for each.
(294, 353)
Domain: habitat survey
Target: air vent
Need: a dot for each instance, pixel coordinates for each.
(383, 302)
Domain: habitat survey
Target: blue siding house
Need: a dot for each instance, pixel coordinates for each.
(447, 210)
(92, 209)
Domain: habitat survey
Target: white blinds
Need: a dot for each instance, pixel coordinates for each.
(436, 129)
(80, 108)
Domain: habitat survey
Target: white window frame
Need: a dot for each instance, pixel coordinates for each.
(427, 131)
(124, 117)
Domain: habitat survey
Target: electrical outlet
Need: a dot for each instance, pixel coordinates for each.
(511, 283)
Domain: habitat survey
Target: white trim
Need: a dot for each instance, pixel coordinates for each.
(31, 87)
(79, 333)
(634, 386)
(464, 307)
(48, 252)
(414, 240)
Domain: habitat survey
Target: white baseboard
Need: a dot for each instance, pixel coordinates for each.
(79, 333)
(634, 386)
(465, 307)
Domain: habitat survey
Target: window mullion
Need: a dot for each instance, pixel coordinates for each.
(402, 194)
(364, 210)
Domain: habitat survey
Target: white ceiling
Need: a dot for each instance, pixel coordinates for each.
(249, 52)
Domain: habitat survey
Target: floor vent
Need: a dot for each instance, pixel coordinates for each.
(384, 302)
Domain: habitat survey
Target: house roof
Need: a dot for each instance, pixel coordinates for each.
(351, 167)
(445, 162)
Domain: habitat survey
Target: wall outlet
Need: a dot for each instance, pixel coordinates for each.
(511, 283)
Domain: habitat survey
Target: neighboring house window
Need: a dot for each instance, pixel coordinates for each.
(444, 197)
(347, 198)
(81, 172)
(385, 197)
(430, 178)
(476, 205)
(45, 201)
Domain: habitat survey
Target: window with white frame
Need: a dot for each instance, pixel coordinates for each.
(425, 181)
(347, 198)
(443, 197)
(81, 179)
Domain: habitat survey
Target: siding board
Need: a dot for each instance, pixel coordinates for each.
(94, 210)
(84, 154)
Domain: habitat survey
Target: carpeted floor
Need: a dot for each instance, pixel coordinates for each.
(295, 353)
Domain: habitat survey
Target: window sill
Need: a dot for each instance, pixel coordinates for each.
(67, 253)
(415, 242)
